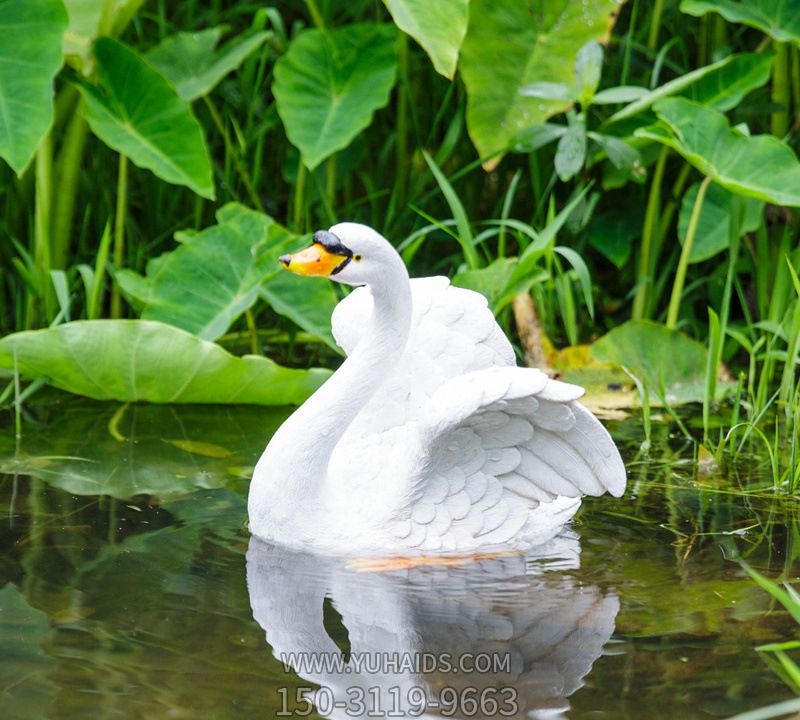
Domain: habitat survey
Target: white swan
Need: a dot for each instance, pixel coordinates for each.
(428, 439)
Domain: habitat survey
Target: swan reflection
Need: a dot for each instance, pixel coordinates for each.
(510, 636)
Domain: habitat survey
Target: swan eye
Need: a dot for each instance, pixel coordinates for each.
(357, 258)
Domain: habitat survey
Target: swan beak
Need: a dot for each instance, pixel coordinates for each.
(314, 260)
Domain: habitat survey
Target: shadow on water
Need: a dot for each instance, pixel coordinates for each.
(129, 588)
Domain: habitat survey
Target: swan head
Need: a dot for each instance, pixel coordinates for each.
(349, 253)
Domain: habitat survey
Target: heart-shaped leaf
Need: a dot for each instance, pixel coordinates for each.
(139, 114)
(133, 360)
(192, 62)
(661, 358)
(214, 276)
(328, 85)
(509, 46)
(761, 166)
(30, 56)
(438, 26)
(308, 302)
(780, 19)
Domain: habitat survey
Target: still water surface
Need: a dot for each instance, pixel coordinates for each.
(129, 588)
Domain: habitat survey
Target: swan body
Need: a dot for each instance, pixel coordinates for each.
(428, 439)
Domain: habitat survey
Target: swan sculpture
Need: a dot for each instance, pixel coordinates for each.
(428, 440)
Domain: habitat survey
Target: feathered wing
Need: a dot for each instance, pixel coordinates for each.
(497, 444)
(453, 332)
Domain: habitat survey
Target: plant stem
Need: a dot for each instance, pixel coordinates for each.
(655, 24)
(781, 91)
(119, 232)
(253, 330)
(44, 194)
(645, 280)
(298, 221)
(683, 263)
(316, 15)
(401, 144)
(68, 167)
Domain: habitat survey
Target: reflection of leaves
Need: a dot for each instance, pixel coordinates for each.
(150, 452)
(25, 688)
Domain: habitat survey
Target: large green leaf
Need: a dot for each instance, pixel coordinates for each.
(713, 227)
(510, 45)
(438, 26)
(308, 302)
(192, 62)
(488, 281)
(142, 360)
(27, 691)
(138, 113)
(328, 85)
(778, 18)
(91, 448)
(761, 167)
(213, 277)
(721, 85)
(30, 56)
(659, 357)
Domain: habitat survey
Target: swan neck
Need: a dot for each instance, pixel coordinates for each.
(304, 444)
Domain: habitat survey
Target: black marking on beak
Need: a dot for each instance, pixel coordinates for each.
(334, 246)
(285, 260)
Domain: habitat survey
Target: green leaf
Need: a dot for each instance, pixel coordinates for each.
(329, 84)
(488, 281)
(780, 19)
(91, 448)
(622, 155)
(134, 360)
(508, 46)
(713, 228)
(438, 26)
(613, 233)
(720, 85)
(619, 94)
(308, 302)
(659, 357)
(27, 691)
(139, 114)
(588, 66)
(761, 166)
(192, 64)
(30, 57)
(211, 279)
(571, 151)
(536, 136)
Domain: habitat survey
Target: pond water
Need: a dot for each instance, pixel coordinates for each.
(129, 588)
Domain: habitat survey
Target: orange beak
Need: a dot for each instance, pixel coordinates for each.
(314, 260)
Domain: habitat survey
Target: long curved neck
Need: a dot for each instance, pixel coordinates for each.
(300, 451)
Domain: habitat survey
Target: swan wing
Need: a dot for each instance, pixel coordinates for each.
(453, 332)
(505, 453)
